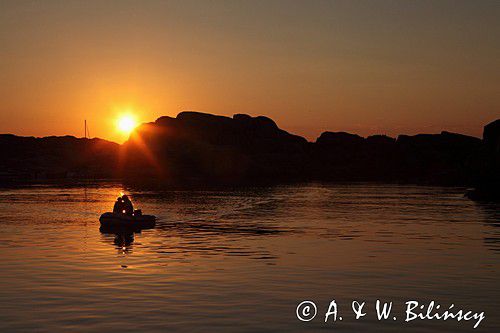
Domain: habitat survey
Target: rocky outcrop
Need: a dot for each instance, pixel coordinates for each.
(424, 158)
(200, 148)
(340, 156)
(436, 158)
(491, 136)
(340, 139)
(486, 165)
(32, 159)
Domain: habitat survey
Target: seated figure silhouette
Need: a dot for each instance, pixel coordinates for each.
(128, 208)
(118, 207)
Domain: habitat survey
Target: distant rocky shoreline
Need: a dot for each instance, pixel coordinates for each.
(198, 148)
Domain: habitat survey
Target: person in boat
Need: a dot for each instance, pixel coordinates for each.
(118, 207)
(128, 208)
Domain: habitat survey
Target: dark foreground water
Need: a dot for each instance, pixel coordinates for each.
(243, 260)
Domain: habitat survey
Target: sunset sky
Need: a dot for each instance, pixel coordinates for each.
(360, 66)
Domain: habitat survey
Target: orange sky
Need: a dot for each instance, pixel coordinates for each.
(360, 66)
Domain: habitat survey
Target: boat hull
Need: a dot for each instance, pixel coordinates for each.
(112, 220)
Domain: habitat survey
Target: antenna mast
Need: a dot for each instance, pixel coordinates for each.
(86, 130)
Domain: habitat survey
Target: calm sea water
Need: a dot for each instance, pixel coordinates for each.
(243, 260)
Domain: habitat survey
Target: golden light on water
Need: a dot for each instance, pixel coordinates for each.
(126, 123)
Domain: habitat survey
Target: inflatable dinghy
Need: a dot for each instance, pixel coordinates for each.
(114, 220)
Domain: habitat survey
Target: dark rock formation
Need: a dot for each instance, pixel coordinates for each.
(199, 148)
(339, 156)
(32, 159)
(486, 165)
(434, 158)
(491, 136)
(340, 139)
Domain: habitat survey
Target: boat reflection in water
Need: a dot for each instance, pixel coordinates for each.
(123, 236)
(124, 242)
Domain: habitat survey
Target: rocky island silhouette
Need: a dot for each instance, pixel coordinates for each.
(198, 149)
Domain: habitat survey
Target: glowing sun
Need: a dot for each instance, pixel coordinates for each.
(126, 124)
